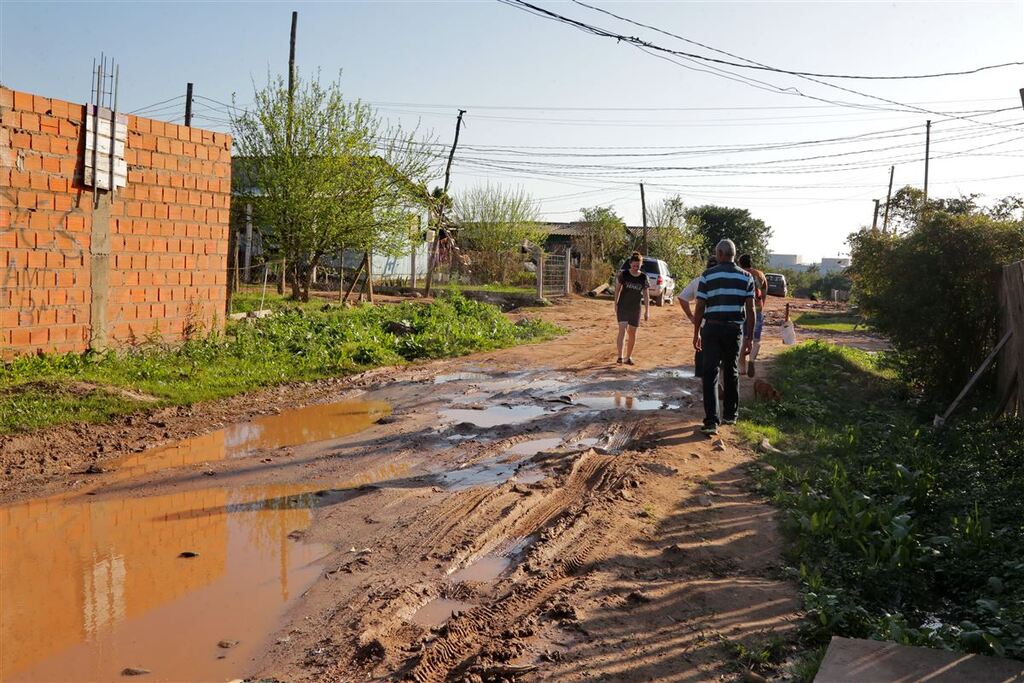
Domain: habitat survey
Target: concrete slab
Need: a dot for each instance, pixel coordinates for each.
(850, 660)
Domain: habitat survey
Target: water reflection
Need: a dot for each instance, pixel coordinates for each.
(91, 585)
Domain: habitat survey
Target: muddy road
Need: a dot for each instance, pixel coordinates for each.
(537, 513)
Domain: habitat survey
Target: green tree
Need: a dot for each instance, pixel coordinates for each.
(322, 173)
(495, 221)
(674, 239)
(603, 237)
(715, 223)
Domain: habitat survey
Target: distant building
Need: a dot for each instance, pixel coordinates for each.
(832, 265)
(787, 262)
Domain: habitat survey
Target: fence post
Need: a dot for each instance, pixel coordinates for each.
(540, 274)
(568, 272)
(1010, 382)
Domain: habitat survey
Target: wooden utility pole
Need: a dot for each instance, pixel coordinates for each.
(188, 105)
(927, 154)
(288, 126)
(643, 210)
(874, 221)
(432, 252)
(888, 200)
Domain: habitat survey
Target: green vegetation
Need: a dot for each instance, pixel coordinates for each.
(933, 291)
(840, 321)
(897, 531)
(297, 344)
(805, 283)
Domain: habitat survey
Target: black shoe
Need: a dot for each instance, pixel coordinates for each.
(709, 430)
(729, 421)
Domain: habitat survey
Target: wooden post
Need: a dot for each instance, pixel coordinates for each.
(444, 197)
(188, 105)
(643, 210)
(355, 278)
(888, 200)
(540, 273)
(1010, 384)
(248, 242)
(927, 155)
(874, 221)
(369, 275)
(568, 271)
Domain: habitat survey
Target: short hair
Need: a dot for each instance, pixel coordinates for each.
(726, 248)
(745, 261)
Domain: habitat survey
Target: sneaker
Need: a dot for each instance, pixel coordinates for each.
(729, 421)
(709, 430)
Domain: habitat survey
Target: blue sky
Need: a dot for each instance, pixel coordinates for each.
(538, 91)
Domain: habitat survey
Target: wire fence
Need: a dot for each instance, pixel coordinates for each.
(554, 276)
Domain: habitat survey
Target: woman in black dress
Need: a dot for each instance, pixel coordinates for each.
(631, 290)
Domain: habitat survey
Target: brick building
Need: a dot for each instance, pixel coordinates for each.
(77, 273)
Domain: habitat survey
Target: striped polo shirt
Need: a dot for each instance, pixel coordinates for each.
(724, 290)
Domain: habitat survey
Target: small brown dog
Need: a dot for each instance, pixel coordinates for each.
(763, 391)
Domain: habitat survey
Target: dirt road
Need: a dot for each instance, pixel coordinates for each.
(563, 507)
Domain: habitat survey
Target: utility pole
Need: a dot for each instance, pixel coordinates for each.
(927, 153)
(888, 200)
(432, 252)
(874, 221)
(643, 210)
(188, 105)
(288, 124)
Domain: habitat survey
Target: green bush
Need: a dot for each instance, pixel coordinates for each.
(296, 344)
(934, 292)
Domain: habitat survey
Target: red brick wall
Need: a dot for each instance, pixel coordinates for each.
(168, 231)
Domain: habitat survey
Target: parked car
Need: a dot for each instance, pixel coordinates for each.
(662, 285)
(776, 284)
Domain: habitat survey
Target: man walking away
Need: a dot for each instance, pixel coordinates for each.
(760, 296)
(725, 306)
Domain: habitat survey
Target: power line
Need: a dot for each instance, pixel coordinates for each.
(763, 67)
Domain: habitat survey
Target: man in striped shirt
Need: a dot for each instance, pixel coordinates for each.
(725, 304)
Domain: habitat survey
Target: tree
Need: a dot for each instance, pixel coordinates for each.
(673, 238)
(495, 222)
(322, 173)
(715, 223)
(603, 237)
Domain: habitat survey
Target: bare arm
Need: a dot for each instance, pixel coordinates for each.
(647, 303)
(685, 305)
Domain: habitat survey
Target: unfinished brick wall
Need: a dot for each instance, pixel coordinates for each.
(152, 260)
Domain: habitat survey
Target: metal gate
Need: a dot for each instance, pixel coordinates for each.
(553, 276)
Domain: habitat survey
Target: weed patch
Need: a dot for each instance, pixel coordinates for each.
(897, 532)
(297, 344)
(832, 322)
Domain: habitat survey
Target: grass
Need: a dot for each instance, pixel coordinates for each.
(896, 531)
(296, 344)
(832, 322)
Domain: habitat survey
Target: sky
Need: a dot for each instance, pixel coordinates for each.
(579, 120)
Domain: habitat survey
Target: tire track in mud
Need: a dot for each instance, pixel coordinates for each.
(564, 521)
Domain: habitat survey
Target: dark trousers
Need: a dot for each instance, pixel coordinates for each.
(721, 346)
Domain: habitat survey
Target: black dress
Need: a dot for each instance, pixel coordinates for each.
(627, 310)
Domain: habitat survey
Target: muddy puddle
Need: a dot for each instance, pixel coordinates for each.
(438, 611)
(92, 585)
(622, 402)
(494, 416)
(486, 568)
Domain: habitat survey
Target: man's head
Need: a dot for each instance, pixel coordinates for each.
(725, 251)
(746, 262)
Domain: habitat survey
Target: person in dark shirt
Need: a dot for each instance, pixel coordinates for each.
(631, 289)
(725, 304)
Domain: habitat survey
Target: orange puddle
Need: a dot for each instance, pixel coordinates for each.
(91, 586)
